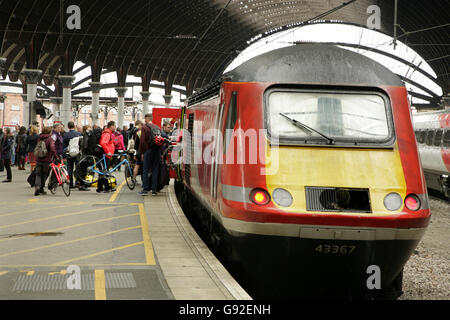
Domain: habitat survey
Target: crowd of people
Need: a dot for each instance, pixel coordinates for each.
(39, 148)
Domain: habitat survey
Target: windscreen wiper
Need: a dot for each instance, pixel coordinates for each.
(300, 125)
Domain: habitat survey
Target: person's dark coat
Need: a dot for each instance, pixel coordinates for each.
(6, 147)
(21, 141)
(32, 142)
(69, 135)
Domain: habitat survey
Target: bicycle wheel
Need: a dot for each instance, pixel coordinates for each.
(65, 182)
(131, 181)
(52, 186)
(87, 170)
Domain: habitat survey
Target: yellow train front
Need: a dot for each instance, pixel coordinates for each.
(306, 162)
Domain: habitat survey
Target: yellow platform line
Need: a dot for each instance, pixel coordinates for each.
(116, 193)
(59, 263)
(74, 226)
(2, 273)
(59, 216)
(100, 285)
(33, 210)
(57, 244)
(148, 247)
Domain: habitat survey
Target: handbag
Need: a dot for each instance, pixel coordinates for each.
(32, 178)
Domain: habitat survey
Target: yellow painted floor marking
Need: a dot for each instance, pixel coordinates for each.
(75, 226)
(68, 242)
(33, 210)
(62, 272)
(100, 285)
(2, 273)
(29, 272)
(116, 193)
(148, 247)
(33, 200)
(59, 263)
(60, 216)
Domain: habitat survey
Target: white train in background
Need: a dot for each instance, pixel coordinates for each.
(433, 136)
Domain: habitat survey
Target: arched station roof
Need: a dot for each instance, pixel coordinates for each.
(190, 42)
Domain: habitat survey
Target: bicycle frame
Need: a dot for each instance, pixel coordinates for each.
(57, 170)
(103, 160)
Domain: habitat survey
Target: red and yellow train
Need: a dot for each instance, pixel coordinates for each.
(336, 186)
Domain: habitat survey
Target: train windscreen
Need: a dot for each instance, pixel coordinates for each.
(328, 117)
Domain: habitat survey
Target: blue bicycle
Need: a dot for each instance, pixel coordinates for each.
(90, 168)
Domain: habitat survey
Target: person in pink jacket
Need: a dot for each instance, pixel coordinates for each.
(118, 140)
(119, 146)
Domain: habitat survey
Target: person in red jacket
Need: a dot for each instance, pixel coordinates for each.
(107, 139)
(43, 164)
(107, 144)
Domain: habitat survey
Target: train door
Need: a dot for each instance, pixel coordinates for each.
(216, 153)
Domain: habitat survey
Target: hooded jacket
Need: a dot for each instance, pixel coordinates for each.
(106, 142)
(51, 150)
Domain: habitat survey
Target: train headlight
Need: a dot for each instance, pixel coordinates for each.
(412, 202)
(282, 197)
(260, 197)
(393, 201)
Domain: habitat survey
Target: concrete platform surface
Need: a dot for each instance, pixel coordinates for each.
(103, 246)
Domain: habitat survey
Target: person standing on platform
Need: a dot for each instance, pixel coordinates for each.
(151, 157)
(32, 140)
(135, 136)
(21, 149)
(118, 145)
(58, 138)
(2, 165)
(125, 136)
(43, 163)
(6, 151)
(72, 133)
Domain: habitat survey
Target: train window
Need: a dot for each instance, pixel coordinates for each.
(416, 133)
(438, 138)
(297, 116)
(447, 139)
(423, 135)
(429, 138)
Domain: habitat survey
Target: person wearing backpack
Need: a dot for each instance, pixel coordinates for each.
(150, 150)
(6, 148)
(45, 153)
(72, 159)
(32, 140)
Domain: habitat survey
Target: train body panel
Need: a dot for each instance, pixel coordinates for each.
(432, 131)
(319, 191)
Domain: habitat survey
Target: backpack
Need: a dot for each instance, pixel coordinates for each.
(74, 147)
(41, 149)
(154, 138)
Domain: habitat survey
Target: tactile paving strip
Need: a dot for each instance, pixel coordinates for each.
(44, 282)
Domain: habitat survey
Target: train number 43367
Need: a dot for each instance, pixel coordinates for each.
(335, 249)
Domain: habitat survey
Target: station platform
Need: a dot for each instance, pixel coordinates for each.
(103, 246)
